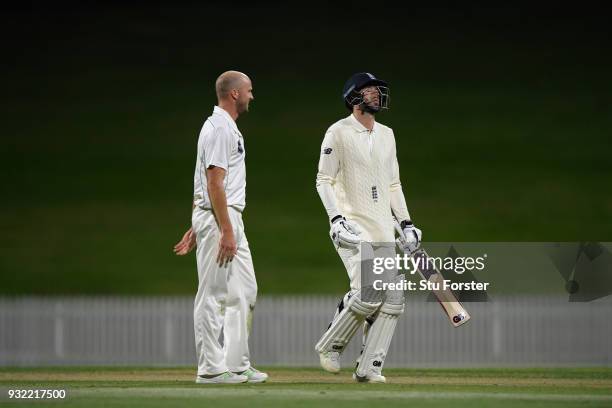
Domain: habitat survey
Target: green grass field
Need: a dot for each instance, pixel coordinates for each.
(300, 387)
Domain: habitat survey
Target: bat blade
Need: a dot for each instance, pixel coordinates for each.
(446, 298)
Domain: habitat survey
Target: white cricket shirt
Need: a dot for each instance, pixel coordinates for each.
(221, 145)
(362, 167)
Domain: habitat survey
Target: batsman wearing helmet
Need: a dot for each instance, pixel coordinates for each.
(359, 184)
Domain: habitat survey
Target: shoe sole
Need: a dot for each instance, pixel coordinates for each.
(205, 381)
(366, 380)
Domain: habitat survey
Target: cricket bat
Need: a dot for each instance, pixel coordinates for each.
(446, 298)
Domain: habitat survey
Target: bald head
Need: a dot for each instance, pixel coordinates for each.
(228, 81)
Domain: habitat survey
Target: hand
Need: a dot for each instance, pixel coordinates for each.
(344, 233)
(412, 237)
(186, 244)
(227, 248)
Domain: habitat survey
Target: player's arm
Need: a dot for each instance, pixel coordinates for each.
(329, 166)
(396, 195)
(400, 208)
(216, 191)
(188, 242)
(343, 232)
(217, 148)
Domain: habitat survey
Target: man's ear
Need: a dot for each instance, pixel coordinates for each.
(234, 94)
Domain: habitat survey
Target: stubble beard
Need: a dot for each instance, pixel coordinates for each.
(372, 109)
(243, 107)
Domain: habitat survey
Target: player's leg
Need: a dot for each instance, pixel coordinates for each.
(378, 338)
(342, 329)
(350, 259)
(330, 360)
(242, 295)
(209, 303)
(349, 315)
(367, 325)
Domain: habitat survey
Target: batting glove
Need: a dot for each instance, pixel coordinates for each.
(344, 233)
(412, 237)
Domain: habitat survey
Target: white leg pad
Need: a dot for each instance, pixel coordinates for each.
(378, 340)
(344, 326)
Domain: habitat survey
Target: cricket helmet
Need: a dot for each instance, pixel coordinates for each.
(352, 96)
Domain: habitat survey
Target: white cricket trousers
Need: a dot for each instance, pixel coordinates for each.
(225, 299)
(352, 257)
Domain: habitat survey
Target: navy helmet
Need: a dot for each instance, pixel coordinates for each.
(352, 96)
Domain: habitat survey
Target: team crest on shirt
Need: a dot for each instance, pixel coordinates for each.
(240, 149)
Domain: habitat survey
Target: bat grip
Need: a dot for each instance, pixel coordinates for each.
(398, 229)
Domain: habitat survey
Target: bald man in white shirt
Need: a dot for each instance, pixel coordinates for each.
(227, 288)
(359, 184)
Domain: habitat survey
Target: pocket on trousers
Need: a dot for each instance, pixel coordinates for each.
(237, 227)
(202, 222)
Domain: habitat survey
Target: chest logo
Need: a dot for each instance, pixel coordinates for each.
(374, 194)
(240, 148)
(327, 150)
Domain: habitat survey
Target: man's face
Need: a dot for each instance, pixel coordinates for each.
(371, 97)
(245, 96)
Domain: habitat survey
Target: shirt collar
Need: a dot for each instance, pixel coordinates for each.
(358, 126)
(220, 111)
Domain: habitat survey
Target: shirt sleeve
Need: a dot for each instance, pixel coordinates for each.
(218, 148)
(329, 165)
(396, 195)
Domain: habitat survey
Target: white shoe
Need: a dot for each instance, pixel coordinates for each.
(330, 361)
(223, 378)
(254, 375)
(370, 377)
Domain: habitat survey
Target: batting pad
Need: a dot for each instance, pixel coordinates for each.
(344, 326)
(379, 339)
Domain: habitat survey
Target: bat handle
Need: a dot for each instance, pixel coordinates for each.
(398, 229)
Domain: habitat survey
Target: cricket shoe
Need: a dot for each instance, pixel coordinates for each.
(370, 377)
(330, 361)
(223, 378)
(254, 375)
